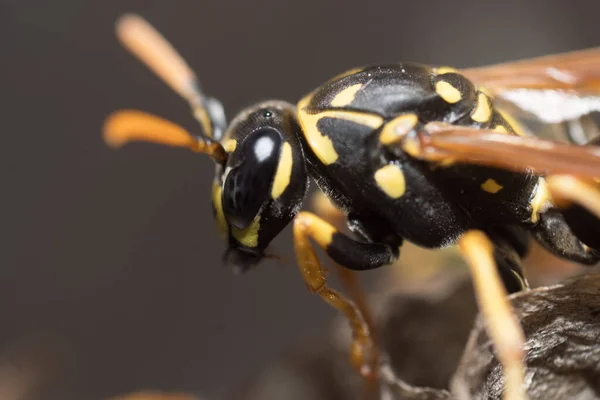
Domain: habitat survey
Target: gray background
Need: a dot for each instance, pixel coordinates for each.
(115, 253)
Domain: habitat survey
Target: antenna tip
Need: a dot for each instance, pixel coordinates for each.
(112, 133)
(129, 22)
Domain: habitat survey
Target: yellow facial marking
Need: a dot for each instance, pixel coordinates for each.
(390, 180)
(322, 145)
(346, 96)
(249, 235)
(491, 186)
(394, 130)
(220, 216)
(483, 111)
(445, 70)
(539, 199)
(446, 91)
(284, 171)
(230, 145)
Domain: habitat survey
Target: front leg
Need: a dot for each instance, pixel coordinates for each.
(348, 253)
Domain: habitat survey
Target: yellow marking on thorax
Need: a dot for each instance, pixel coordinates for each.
(394, 130)
(284, 171)
(541, 197)
(230, 145)
(491, 186)
(390, 180)
(346, 96)
(445, 70)
(519, 128)
(218, 205)
(522, 280)
(500, 129)
(249, 235)
(320, 144)
(483, 110)
(446, 91)
(412, 147)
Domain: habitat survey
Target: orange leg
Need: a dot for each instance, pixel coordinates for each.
(502, 325)
(308, 226)
(567, 188)
(326, 210)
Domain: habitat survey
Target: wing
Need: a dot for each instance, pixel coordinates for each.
(554, 88)
(443, 142)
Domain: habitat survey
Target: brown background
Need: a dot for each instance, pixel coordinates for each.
(115, 253)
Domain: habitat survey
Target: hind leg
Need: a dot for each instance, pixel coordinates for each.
(579, 201)
(501, 324)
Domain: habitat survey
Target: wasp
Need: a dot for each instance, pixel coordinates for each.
(407, 152)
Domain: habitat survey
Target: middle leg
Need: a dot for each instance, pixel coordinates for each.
(501, 323)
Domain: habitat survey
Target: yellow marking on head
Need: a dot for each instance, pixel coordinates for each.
(230, 145)
(397, 128)
(249, 235)
(500, 129)
(446, 91)
(284, 171)
(320, 144)
(218, 205)
(445, 70)
(346, 96)
(483, 110)
(541, 197)
(518, 127)
(491, 186)
(390, 180)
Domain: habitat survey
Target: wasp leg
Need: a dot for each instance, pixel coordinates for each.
(325, 209)
(558, 237)
(510, 246)
(351, 254)
(502, 324)
(579, 201)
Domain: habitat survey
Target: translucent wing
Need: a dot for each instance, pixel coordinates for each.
(442, 142)
(554, 88)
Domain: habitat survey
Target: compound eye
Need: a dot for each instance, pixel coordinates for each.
(248, 182)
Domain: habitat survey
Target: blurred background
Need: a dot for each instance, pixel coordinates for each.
(113, 256)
